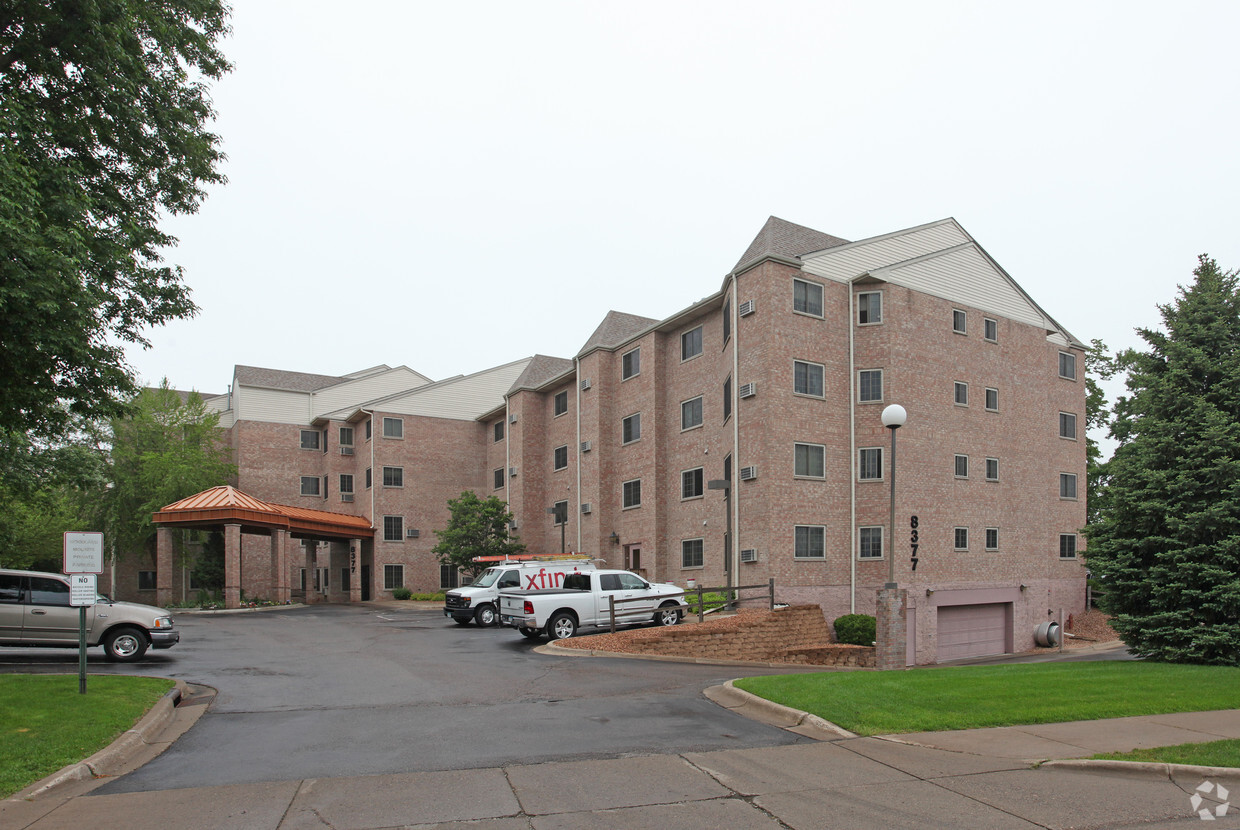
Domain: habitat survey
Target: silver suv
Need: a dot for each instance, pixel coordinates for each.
(35, 611)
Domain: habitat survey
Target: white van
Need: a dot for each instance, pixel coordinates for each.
(479, 601)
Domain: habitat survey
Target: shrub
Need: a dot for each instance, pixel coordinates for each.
(401, 593)
(856, 629)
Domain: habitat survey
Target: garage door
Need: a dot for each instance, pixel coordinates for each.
(972, 630)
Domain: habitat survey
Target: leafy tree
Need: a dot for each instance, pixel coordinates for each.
(478, 527)
(168, 448)
(1168, 544)
(102, 133)
(209, 567)
(1099, 366)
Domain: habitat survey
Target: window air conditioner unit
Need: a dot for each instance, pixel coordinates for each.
(746, 308)
(512, 471)
(748, 390)
(346, 497)
(585, 446)
(412, 533)
(512, 419)
(749, 473)
(586, 507)
(749, 555)
(346, 450)
(585, 384)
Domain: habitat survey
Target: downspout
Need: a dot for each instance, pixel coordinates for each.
(736, 439)
(852, 462)
(577, 510)
(371, 488)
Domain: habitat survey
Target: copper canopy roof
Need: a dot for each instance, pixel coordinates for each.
(228, 505)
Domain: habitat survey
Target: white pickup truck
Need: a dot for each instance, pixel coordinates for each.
(584, 600)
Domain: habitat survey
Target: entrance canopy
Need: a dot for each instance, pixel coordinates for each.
(226, 505)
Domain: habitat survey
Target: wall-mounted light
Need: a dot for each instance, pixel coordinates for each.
(929, 591)
(615, 538)
(1024, 587)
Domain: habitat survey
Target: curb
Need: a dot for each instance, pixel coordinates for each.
(557, 650)
(1151, 767)
(776, 714)
(112, 758)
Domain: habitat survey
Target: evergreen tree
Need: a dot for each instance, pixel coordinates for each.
(478, 527)
(209, 567)
(1168, 543)
(1099, 366)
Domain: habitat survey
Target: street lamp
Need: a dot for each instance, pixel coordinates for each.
(894, 417)
(726, 486)
(562, 519)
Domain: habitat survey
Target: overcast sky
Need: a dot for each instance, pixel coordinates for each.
(453, 186)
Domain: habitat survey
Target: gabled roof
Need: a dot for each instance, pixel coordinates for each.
(542, 369)
(280, 379)
(616, 328)
(228, 505)
(782, 238)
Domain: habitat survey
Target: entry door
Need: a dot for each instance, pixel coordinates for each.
(365, 583)
(633, 560)
(320, 580)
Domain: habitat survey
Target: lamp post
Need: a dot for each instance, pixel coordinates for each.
(894, 417)
(726, 486)
(563, 520)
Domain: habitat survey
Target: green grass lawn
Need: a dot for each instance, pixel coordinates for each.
(46, 724)
(967, 697)
(1213, 754)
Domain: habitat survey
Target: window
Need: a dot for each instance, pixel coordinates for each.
(807, 298)
(691, 483)
(727, 320)
(962, 538)
(1067, 485)
(393, 476)
(691, 413)
(1067, 545)
(561, 457)
(47, 591)
(809, 460)
(561, 403)
(393, 428)
(869, 308)
(346, 436)
(146, 580)
(393, 577)
(962, 466)
(346, 483)
(990, 329)
(1067, 425)
(727, 398)
(311, 486)
(870, 463)
(992, 469)
(367, 478)
(499, 430)
(810, 542)
(992, 400)
(691, 343)
(310, 439)
(1067, 365)
(632, 428)
(807, 378)
(561, 513)
(498, 479)
(449, 577)
(961, 393)
(633, 493)
(870, 540)
(992, 538)
(959, 321)
(10, 588)
(367, 429)
(393, 528)
(691, 553)
(870, 385)
(631, 364)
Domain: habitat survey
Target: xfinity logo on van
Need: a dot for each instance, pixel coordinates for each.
(543, 580)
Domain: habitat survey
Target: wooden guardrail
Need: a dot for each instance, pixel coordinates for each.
(732, 600)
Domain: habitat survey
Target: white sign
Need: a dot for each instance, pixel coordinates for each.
(83, 590)
(83, 553)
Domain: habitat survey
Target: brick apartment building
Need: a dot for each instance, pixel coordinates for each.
(772, 388)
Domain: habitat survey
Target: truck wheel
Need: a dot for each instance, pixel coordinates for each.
(561, 627)
(485, 615)
(530, 633)
(668, 614)
(124, 645)
(462, 620)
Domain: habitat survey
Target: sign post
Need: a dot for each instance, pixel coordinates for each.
(83, 564)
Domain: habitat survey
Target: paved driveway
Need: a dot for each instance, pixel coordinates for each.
(356, 690)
